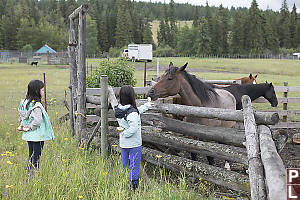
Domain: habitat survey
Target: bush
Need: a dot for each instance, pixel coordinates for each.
(115, 52)
(118, 71)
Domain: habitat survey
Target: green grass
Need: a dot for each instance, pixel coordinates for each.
(66, 172)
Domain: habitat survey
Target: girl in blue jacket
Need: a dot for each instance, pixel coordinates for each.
(34, 122)
(128, 116)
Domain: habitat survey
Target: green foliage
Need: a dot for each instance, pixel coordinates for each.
(115, 52)
(118, 71)
(27, 48)
(165, 51)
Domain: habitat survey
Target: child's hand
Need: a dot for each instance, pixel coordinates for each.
(25, 128)
(20, 128)
(120, 129)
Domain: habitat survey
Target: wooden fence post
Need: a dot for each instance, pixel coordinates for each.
(285, 95)
(256, 173)
(274, 168)
(81, 103)
(73, 73)
(104, 115)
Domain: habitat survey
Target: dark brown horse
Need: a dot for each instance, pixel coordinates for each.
(248, 79)
(193, 92)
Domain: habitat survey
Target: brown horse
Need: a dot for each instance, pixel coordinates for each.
(248, 79)
(193, 92)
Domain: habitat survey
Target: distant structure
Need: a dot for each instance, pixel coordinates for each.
(297, 54)
(45, 50)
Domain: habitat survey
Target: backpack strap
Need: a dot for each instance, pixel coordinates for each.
(131, 109)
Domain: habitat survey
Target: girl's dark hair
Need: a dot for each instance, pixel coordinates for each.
(34, 91)
(127, 96)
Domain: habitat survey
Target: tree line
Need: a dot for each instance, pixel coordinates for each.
(113, 24)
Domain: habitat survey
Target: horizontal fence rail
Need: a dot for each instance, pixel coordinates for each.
(91, 92)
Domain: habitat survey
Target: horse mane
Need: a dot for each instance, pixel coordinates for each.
(206, 93)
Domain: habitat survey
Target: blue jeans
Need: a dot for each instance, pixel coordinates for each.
(131, 157)
(35, 151)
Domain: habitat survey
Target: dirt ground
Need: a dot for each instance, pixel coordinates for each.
(291, 155)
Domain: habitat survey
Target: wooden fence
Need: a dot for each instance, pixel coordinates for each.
(230, 149)
(284, 112)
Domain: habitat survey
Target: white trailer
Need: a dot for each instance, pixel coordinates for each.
(138, 52)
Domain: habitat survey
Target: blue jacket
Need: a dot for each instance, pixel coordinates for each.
(37, 119)
(131, 136)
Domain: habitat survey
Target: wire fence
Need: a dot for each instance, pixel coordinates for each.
(10, 56)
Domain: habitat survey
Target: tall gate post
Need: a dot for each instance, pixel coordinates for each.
(104, 115)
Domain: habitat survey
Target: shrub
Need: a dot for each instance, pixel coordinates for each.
(166, 51)
(118, 71)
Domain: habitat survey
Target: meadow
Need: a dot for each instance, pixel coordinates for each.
(68, 172)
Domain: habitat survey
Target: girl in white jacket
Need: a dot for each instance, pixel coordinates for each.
(128, 116)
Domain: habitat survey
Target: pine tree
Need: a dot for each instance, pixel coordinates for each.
(91, 36)
(124, 33)
(161, 34)
(147, 34)
(270, 36)
(237, 33)
(254, 35)
(283, 26)
(173, 27)
(293, 27)
(203, 40)
(196, 17)
(212, 30)
(223, 21)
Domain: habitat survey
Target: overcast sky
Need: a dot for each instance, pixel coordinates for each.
(262, 4)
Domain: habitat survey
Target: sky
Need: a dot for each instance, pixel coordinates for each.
(262, 4)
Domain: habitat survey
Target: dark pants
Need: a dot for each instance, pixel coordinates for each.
(131, 157)
(35, 151)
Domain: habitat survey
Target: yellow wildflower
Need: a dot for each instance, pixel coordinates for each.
(104, 173)
(81, 148)
(225, 197)
(8, 186)
(158, 156)
(80, 197)
(56, 113)
(8, 162)
(3, 154)
(66, 139)
(200, 179)
(64, 160)
(114, 145)
(11, 124)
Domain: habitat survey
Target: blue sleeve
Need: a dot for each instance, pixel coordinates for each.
(133, 122)
(144, 107)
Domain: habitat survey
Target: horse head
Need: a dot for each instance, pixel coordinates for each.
(252, 79)
(270, 95)
(168, 84)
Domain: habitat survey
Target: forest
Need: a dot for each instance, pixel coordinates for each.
(26, 25)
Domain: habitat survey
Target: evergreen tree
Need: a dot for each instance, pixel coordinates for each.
(124, 34)
(147, 34)
(91, 36)
(223, 25)
(283, 26)
(196, 17)
(270, 37)
(237, 33)
(203, 40)
(161, 34)
(254, 33)
(293, 28)
(173, 27)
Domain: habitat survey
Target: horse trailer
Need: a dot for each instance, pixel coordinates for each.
(138, 52)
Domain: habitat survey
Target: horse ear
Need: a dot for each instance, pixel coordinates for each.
(255, 76)
(266, 81)
(171, 64)
(271, 84)
(250, 75)
(183, 67)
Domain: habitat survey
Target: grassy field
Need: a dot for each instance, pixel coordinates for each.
(67, 172)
